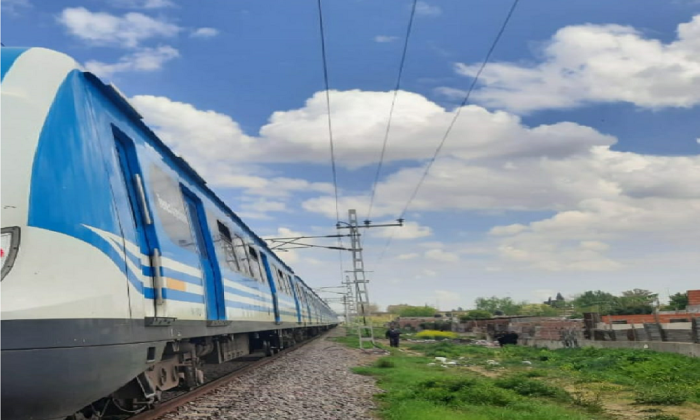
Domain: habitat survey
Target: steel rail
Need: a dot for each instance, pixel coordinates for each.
(174, 403)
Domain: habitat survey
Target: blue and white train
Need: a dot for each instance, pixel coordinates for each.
(122, 272)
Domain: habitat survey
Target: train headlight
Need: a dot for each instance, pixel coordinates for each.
(9, 244)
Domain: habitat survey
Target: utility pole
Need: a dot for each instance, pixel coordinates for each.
(358, 270)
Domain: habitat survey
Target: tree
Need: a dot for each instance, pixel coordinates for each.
(677, 302)
(495, 305)
(634, 302)
(417, 311)
(538, 309)
(594, 301)
(372, 308)
(475, 314)
(396, 309)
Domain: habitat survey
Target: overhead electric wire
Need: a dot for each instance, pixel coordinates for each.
(454, 119)
(391, 110)
(330, 131)
(328, 106)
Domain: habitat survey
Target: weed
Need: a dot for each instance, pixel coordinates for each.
(437, 335)
(535, 373)
(459, 391)
(530, 388)
(384, 362)
(661, 395)
(662, 417)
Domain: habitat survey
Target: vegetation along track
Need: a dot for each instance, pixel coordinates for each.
(182, 398)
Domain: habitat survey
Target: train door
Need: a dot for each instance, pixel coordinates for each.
(132, 178)
(295, 294)
(273, 287)
(211, 276)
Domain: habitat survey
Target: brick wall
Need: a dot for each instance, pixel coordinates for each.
(649, 319)
(693, 297)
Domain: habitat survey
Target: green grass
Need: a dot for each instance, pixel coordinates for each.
(648, 372)
(416, 391)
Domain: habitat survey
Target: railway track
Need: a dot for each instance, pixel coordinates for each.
(175, 402)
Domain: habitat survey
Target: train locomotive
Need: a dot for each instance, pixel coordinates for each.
(122, 272)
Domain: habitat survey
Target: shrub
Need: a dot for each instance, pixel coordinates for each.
(437, 335)
(661, 395)
(535, 373)
(475, 314)
(457, 391)
(384, 362)
(486, 394)
(530, 388)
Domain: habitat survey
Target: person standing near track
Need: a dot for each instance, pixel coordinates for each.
(393, 335)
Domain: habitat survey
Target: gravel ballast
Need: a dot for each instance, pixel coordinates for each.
(312, 383)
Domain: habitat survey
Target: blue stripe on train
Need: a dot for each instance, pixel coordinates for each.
(244, 294)
(172, 294)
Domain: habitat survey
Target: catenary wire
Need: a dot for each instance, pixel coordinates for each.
(330, 130)
(391, 110)
(328, 107)
(452, 123)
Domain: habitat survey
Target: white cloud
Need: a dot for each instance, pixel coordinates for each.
(425, 9)
(99, 28)
(360, 120)
(410, 256)
(573, 240)
(598, 63)
(409, 230)
(450, 93)
(14, 7)
(216, 147)
(447, 299)
(601, 201)
(507, 230)
(204, 33)
(142, 60)
(263, 205)
(385, 38)
(440, 255)
(143, 4)
(594, 246)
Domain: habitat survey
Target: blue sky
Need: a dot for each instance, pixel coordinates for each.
(576, 168)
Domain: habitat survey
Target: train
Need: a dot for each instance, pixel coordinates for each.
(123, 273)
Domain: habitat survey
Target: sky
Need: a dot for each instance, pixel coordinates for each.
(574, 166)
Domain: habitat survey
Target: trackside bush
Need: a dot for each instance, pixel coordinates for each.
(384, 362)
(662, 395)
(436, 335)
(460, 391)
(530, 387)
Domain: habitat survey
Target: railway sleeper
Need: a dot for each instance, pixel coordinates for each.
(179, 366)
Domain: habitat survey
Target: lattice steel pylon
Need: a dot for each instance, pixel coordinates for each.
(358, 270)
(358, 285)
(349, 302)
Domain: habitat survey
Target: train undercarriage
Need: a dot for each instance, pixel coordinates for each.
(180, 367)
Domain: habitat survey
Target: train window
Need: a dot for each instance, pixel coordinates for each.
(281, 282)
(288, 283)
(276, 278)
(170, 208)
(239, 248)
(255, 264)
(224, 231)
(224, 247)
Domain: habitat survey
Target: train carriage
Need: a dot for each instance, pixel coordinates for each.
(122, 272)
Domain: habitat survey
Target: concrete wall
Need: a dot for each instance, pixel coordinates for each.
(688, 349)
